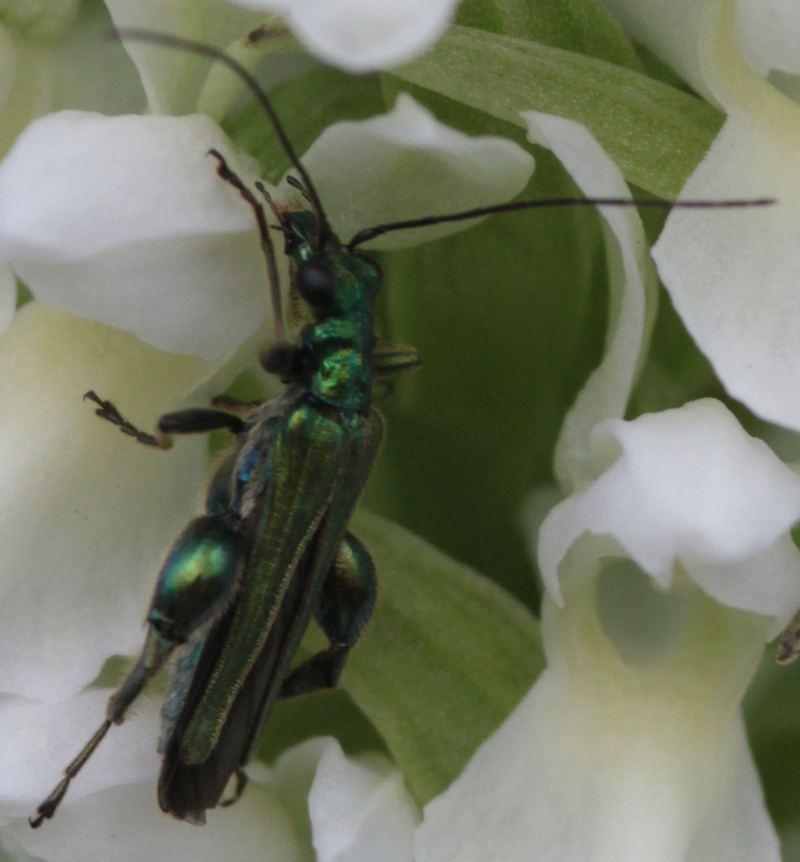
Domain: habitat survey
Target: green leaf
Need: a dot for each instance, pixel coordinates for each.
(445, 658)
(772, 713)
(655, 133)
(323, 713)
(574, 25)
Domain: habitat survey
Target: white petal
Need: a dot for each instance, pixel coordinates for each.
(360, 810)
(125, 824)
(406, 164)
(670, 28)
(269, 822)
(87, 512)
(125, 180)
(40, 739)
(128, 223)
(768, 32)
(360, 35)
(618, 754)
(195, 296)
(172, 79)
(733, 274)
(706, 44)
(8, 297)
(690, 486)
(633, 293)
(559, 783)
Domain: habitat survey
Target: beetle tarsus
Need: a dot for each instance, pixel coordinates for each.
(108, 411)
(241, 783)
(50, 805)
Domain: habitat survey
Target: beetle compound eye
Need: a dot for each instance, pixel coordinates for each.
(315, 283)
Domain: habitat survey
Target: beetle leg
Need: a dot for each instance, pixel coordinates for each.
(195, 584)
(198, 580)
(390, 359)
(106, 410)
(241, 782)
(195, 420)
(156, 651)
(235, 405)
(348, 597)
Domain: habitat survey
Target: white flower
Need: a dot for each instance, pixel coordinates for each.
(666, 566)
(360, 811)
(79, 559)
(663, 579)
(633, 297)
(130, 225)
(113, 813)
(362, 35)
(733, 275)
(665, 570)
(406, 164)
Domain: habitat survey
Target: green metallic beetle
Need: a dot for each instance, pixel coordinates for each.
(241, 583)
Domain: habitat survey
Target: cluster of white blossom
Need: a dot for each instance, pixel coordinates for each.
(664, 543)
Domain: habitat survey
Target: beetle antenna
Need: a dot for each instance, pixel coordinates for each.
(169, 41)
(267, 247)
(546, 203)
